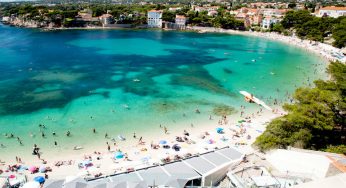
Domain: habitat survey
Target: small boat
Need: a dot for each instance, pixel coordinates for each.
(126, 106)
(254, 60)
(250, 98)
(77, 148)
(121, 137)
(136, 80)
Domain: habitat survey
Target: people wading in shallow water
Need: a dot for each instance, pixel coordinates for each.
(68, 133)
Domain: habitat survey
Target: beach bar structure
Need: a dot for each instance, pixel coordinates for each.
(205, 169)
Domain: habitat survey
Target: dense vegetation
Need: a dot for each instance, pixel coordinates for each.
(64, 15)
(317, 119)
(314, 28)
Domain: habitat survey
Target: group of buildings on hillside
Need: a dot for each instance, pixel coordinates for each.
(256, 14)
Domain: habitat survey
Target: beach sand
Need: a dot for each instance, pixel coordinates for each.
(143, 155)
(321, 49)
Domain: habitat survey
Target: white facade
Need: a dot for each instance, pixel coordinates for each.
(266, 22)
(155, 18)
(5, 19)
(180, 20)
(332, 12)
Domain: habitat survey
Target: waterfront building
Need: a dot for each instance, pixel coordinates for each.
(250, 16)
(212, 13)
(206, 8)
(332, 11)
(85, 15)
(180, 20)
(155, 18)
(173, 9)
(278, 13)
(269, 20)
(106, 19)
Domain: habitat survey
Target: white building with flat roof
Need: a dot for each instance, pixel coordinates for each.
(269, 20)
(332, 11)
(155, 18)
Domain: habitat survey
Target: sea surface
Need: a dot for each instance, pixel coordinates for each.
(125, 81)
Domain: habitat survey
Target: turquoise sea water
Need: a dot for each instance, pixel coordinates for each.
(77, 80)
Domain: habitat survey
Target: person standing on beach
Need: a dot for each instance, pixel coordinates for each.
(134, 135)
(55, 143)
(94, 130)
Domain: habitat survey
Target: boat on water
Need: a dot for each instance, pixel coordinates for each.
(252, 99)
(136, 80)
(121, 137)
(77, 148)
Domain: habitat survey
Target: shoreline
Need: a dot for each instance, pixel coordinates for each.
(106, 162)
(323, 50)
(103, 162)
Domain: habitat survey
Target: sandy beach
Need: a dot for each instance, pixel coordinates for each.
(150, 151)
(326, 51)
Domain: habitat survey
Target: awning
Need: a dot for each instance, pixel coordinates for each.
(200, 165)
(181, 170)
(53, 183)
(216, 158)
(154, 175)
(230, 153)
(133, 177)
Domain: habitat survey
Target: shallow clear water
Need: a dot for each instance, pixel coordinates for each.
(78, 80)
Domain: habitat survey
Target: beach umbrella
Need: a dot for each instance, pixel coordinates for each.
(39, 179)
(86, 163)
(118, 155)
(31, 184)
(163, 142)
(23, 168)
(219, 130)
(176, 182)
(42, 169)
(210, 141)
(32, 169)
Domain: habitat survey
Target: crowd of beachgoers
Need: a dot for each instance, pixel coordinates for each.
(127, 154)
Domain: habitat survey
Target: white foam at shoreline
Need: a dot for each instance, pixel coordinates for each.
(324, 50)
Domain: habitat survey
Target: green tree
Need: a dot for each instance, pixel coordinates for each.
(339, 33)
(317, 118)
